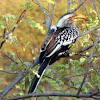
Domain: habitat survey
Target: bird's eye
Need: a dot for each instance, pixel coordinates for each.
(53, 30)
(70, 18)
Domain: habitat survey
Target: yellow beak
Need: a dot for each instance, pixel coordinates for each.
(79, 17)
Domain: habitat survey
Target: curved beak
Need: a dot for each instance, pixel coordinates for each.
(79, 17)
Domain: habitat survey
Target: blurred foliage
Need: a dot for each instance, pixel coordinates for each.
(24, 43)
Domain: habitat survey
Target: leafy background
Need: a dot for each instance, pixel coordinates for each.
(24, 44)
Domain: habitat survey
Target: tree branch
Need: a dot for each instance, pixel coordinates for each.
(86, 10)
(54, 94)
(6, 33)
(89, 61)
(68, 6)
(95, 8)
(96, 56)
(7, 71)
(9, 57)
(22, 74)
(20, 17)
(51, 17)
(45, 8)
(84, 49)
(98, 1)
(94, 28)
(18, 78)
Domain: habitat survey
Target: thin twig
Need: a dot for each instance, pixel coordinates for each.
(20, 17)
(95, 8)
(87, 69)
(47, 17)
(50, 77)
(96, 56)
(95, 93)
(95, 47)
(6, 33)
(84, 49)
(83, 1)
(18, 78)
(72, 1)
(79, 75)
(7, 71)
(98, 1)
(9, 57)
(51, 16)
(17, 54)
(45, 9)
(85, 76)
(68, 6)
(94, 28)
(86, 10)
(96, 70)
(2, 42)
(34, 43)
(4, 39)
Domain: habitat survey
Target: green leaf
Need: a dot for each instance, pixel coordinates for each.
(50, 1)
(1, 22)
(1, 68)
(67, 71)
(55, 98)
(14, 16)
(28, 42)
(74, 99)
(26, 63)
(89, 84)
(43, 31)
(17, 86)
(84, 89)
(14, 25)
(60, 82)
(77, 85)
(63, 75)
(15, 94)
(10, 53)
(71, 54)
(27, 5)
(12, 65)
(54, 84)
(9, 17)
(3, 26)
(21, 93)
(82, 59)
(0, 17)
(31, 22)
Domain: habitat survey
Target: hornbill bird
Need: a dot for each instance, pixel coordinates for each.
(57, 43)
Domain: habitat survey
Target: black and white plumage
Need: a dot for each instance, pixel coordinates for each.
(56, 44)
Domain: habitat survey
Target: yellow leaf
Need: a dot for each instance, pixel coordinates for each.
(24, 49)
(34, 58)
(68, 71)
(36, 73)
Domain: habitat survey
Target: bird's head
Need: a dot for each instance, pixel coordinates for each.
(69, 19)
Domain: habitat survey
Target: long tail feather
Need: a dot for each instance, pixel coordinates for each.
(36, 79)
